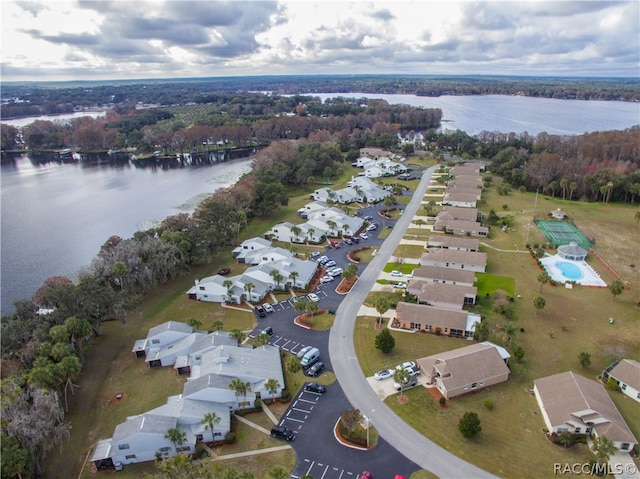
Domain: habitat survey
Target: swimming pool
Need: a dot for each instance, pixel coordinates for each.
(569, 271)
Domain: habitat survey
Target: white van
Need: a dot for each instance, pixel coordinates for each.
(310, 358)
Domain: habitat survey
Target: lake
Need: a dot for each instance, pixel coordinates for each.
(56, 216)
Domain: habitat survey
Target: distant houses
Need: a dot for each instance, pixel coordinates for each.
(626, 374)
(273, 268)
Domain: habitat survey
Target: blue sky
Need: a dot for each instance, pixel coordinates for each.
(113, 39)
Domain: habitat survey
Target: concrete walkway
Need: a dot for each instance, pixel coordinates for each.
(266, 450)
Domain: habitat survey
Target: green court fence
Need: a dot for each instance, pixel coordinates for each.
(561, 232)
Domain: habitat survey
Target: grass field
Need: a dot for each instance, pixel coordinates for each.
(511, 443)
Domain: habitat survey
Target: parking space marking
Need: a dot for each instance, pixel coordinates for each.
(307, 400)
(294, 419)
(285, 345)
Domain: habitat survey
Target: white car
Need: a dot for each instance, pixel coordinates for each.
(335, 271)
(364, 236)
(383, 374)
(313, 297)
(300, 354)
(396, 273)
(329, 264)
(268, 308)
(326, 279)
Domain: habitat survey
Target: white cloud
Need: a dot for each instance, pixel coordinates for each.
(241, 37)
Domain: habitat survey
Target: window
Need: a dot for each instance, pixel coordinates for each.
(130, 456)
(155, 341)
(123, 446)
(183, 448)
(201, 288)
(623, 387)
(474, 385)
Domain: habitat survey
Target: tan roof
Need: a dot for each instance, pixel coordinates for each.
(445, 274)
(627, 371)
(570, 397)
(430, 292)
(460, 225)
(466, 365)
(455, 256)
(444, 241)
(458, 213)
(423, 314)
(465, 182)
(461, 196)
(460, 170)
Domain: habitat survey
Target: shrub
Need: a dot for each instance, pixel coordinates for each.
(442, 401)
(257, 404)
(488, 404)
(230, 437)
(285, 396)
(438, 331)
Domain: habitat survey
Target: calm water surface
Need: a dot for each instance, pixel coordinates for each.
(55, 217)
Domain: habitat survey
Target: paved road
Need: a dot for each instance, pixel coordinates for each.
(345, 364)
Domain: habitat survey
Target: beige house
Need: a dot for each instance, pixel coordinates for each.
(457, 213)
(453, 242)
(440, 295)
(573, 403)
(461, 228)
(466, 369)
(418, 317)
(436, 274)
(627, 375)
(447, 258)
(464, 198)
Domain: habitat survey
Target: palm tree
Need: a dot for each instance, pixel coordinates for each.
(217, 325)
(119, 269)
(402, 377)
(310, 232)
(564, 181)
(176, 437)
(615, 288)
(637, 217)
(419, 222)
(332, 225)
(573, 186)
(293, 276)
(238, 334)
(227, 283)
(539, 303)
(604, 448)
(296, 230)
(272, 385)
(382, 306)
(543, 278)
(349, 272)
(248, 287)
(509, 331)
(261, 339)
(210, 420)
(240, 388)
(553, 186)
(345, 228)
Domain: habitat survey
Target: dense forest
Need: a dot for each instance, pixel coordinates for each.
(32, 99)
(303, 140)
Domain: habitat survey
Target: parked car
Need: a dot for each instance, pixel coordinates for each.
(329, 264)
(335, 271)
(224, 271)
(335, 244)
(310, 358)
(396, 273)
(383, 374)
(322, 258)
(409, 366)
(400, 285)
(315, 254)
(268, 308)
(371, 227)
(355, 239)
(300, 354)
(315, 388)
(260, 311)
(281, 432)
(326, 279)
(365, 475)
(349, 241)
(364, 236)
(313, 297)
(316, 369)
(268, 330)
(412, 382)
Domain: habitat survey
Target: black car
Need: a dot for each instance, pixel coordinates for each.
(315, 370)
(268, 330)
(315, 388)
(260, 311)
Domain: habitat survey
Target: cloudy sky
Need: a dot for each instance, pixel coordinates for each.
(117, 39)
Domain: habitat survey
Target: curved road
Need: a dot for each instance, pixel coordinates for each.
(396, 432)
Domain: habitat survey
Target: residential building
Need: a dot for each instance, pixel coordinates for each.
(465, 370)
(627, 374)
(447, 258)
(573, 403)
(435, 274)
(446, 322)
(440, 295)
(454, 243)
(162, 335)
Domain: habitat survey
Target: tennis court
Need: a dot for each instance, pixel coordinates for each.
(560, 233)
